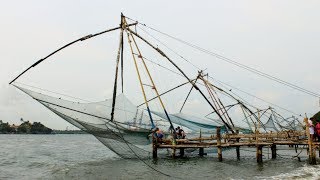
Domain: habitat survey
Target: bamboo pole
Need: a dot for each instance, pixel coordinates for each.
(312, 155)
(140, 80)
(117, 67)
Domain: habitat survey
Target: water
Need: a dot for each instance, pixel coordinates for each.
(84, 157)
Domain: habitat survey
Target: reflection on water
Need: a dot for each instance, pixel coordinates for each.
(84, 157)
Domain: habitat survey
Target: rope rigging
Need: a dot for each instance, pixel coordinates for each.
(228, 60)
(244, 101)
(222, 84)
(177, 67)
(212, 77)
(65, 46)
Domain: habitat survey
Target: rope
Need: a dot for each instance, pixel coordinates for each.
(170, 49)
(209, 76)
(246, 102)
(258, 72)
(253, 96)
(65, 46)
(255, 71)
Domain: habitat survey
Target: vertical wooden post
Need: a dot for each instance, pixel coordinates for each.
(154, 147)
(238, 147)
(181, 152)
(173, 152)
(174, 143)
(219, 144)
(259, 154)
(312, 154)
(259, 147)
(273, 151)
(154, 152)
(201, 152)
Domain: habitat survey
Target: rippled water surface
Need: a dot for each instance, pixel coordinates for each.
(84, 157)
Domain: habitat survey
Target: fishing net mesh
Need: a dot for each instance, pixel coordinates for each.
(127, 135)
(269, 125)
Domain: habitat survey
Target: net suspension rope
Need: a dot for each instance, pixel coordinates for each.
(253, 70)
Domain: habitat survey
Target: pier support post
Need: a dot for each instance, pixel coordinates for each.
(201, 152)
(173, 152)
(273, 151)
(155, 152)
(219, 144)
(238, 152)
(238, 147)
(154, 147)
(312, 153)
(181, 152)
(259, 153)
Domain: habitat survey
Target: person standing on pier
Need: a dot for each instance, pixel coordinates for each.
(157, 134)
(180, 133)
(311, 128)
(318, 130)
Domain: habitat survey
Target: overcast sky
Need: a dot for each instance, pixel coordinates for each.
(280, 38)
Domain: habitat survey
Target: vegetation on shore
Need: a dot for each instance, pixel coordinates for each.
(24, 128)
(316, 117)
(27, 127)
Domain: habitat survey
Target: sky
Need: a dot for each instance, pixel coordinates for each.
(280, 38)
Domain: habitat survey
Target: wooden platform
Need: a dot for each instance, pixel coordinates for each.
(258, 140)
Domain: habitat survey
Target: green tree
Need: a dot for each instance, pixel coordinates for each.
(5, 128)
(24, 127)
(316, 117)
(38, 128)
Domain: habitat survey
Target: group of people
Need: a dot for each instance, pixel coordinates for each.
(314, 129)
(179, 133)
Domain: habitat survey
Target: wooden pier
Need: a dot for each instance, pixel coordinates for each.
(258, 140)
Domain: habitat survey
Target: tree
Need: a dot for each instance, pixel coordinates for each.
(38, 128)
(5, 128)
(316, 117)
(24, 127)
